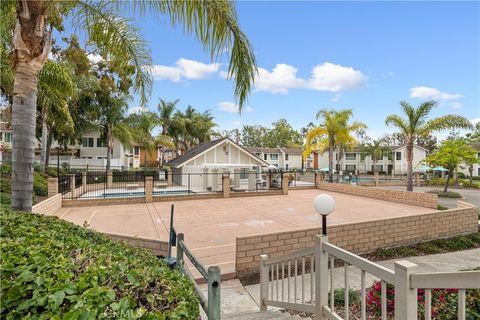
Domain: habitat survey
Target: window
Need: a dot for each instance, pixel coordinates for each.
(362, 157)
(136, 151)
(377, 168)
(265, 156)
(398, 155)
(389, 156)
(87, 142)
(350, 156)
(243, 173)
(101, 158)
(101, 143)
(257, 154)
(274, 156)
(7, 136)
(350, 168)
(286, 166)
(286, 156)
(478, 173)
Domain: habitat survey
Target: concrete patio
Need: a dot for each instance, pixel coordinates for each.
(211, 226)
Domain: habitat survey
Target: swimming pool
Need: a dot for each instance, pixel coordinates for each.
(142, 194)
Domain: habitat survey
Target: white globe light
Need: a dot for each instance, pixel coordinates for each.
(324, 204)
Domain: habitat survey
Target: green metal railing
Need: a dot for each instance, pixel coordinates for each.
(211, 303)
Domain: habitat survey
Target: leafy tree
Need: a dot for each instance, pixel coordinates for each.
(452, 153)
(362, 137)
(416, 125)
(474, 136)
(32, 23)
(234, 135)
(282, 135)
(254, 136)
(334, 131)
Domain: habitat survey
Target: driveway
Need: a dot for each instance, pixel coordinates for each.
(471, 196)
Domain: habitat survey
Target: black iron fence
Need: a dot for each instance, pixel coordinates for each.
(63, 184)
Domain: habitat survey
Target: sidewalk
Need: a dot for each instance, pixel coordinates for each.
(236, 298)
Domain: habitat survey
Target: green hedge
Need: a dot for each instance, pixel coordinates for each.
(52, 269)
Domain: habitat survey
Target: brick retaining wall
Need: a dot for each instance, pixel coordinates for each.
(428, 200)
(48, 206)
(159, 248)
(359, 237)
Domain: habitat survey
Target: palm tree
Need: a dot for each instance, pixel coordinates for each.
(332, 131)
(165, 113)
(214, 23)
(376, 150)
(55, 86)
(142, 125)
(416, 125)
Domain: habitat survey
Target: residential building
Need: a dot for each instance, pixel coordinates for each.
(353, 160)
(282, 158)
(211, 159)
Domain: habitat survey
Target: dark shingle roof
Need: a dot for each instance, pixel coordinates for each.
(193, 152)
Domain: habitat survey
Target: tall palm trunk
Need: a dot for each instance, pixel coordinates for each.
(44, 142)
(49, 147)
(23, 147)
(330, 163)
(409, 166)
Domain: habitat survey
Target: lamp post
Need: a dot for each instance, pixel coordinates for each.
(324, 205)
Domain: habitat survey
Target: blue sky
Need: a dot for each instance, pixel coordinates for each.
(366, 56)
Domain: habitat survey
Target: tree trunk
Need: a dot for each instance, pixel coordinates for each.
(409, 166)
(470, 171)
(23, 146)
(44, 142)
(49, 146)
(446, 184)
(330, 163)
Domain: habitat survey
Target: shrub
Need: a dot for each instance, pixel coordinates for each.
(6, 169)
(5, 200)
(444, 302)
(5, 185)
(40, 185)
(52, 269)
(448, 194)
(442, 207)
(353, 296)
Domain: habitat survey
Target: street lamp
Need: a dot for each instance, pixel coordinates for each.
(324, 205)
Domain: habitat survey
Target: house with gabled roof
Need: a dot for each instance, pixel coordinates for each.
(202, 166)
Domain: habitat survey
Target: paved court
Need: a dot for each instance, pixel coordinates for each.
(211, 226)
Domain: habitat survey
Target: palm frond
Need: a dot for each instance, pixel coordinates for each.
(118, 38)
(398, 122)
(447, 122)
(215, 25)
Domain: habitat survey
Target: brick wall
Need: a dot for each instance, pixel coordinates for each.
(159, 248)
(359, 237)
(428, 200)
(48, 206)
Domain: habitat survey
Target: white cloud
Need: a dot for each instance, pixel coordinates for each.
(474, 121)
(133, 110)
(95, 58)
(390, 73)
(228, 106)
(334, 78)
(325, 77)
(282, 78)
(456, 105)
(184, 69)
(422, 92)
(336, 97)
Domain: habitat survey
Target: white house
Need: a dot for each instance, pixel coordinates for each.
(353, 161)
(92, 152)
(201, 167)
(282, 158)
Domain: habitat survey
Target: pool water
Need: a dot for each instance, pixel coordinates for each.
(142, 194)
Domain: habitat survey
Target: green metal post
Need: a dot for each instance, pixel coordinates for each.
(180, 245)
(213, 293)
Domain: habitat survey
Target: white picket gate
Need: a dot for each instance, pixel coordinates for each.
(304, 281)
